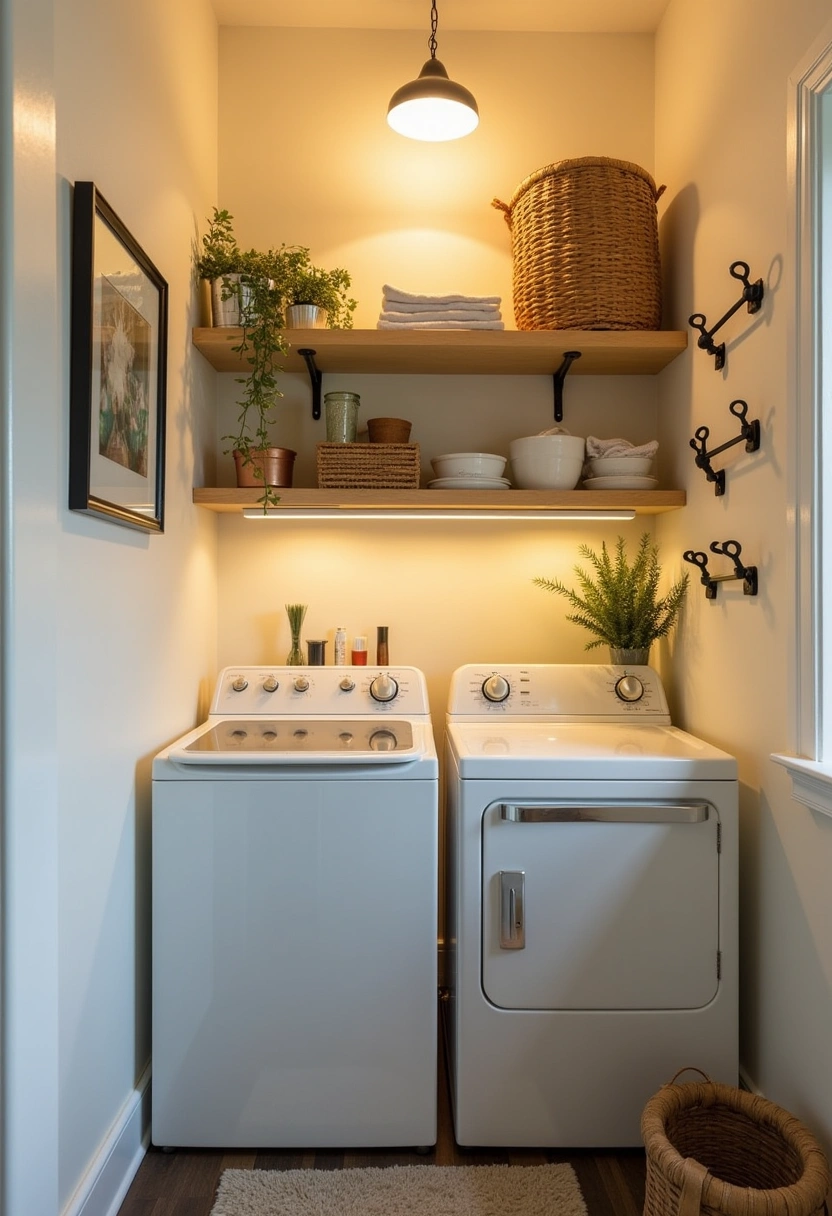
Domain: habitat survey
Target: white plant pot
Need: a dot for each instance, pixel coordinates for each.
(305, 316)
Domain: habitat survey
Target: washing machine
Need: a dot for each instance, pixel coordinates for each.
(295, 899)
(592, 903)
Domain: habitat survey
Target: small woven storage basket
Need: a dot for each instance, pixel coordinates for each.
(720, 1151)
(585, 244)
(368, 466)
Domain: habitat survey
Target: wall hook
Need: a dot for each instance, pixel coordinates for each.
(316, 377)
(726, 548)
(752, 295)
(749, 431)
(569, 357)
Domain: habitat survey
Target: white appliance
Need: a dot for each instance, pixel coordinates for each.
(592, 903)
(295, 901)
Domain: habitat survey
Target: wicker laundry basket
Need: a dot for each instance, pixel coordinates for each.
(720, 1151)
(585, 243)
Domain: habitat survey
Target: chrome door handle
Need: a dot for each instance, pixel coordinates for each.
(614, 812)
(512, 913)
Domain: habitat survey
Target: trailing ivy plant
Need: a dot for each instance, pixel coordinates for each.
(620, 603)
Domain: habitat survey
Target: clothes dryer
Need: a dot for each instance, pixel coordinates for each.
(592, 903)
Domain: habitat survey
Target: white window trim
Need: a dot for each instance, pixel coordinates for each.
(808, 758)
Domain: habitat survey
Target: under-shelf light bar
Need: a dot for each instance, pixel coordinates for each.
(554, 514)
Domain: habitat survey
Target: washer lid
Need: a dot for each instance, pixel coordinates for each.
(577, 750)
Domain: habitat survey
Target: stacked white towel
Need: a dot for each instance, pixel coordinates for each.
(406, 310)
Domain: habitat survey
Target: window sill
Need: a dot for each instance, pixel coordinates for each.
(811, 782)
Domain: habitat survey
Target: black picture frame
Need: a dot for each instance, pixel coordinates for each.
(118, 370)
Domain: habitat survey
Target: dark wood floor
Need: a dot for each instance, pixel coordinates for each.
(184, 1182)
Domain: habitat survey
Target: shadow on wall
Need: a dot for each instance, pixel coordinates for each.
(677, 228)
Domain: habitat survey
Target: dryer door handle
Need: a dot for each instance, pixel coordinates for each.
(613, 812)
(512, 910)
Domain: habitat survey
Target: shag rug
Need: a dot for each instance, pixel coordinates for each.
(403, 1190)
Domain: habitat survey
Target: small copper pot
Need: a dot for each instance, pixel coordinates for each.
(277, 465)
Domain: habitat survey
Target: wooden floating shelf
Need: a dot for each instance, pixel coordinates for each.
(463, 352)
(643, 502)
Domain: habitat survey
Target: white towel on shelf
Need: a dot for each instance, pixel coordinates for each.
(440, 324)
(486, 312)
(409, 297)
(440, 314)
(618, 447)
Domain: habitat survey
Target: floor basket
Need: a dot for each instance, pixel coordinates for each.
(720, 1151)
(368, 466)
(585, 243)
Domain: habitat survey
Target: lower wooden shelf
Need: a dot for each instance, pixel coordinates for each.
(643, 502)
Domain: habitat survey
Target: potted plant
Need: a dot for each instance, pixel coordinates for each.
(317, 299)
(621, 604)
(221, 263)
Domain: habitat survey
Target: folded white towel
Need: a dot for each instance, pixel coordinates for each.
(440, 314)
(398, 305)
(408, 297)
(440, 324)
(618, 447)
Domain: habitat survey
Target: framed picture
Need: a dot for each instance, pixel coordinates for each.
(118, 370)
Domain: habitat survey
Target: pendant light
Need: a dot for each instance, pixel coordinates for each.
(433, 107)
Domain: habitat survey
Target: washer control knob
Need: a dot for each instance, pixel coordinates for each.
(239, 683)
(300, 684)
(496, 688)
(629, 688)
(347, 684)
(384, 688)
(270, 684)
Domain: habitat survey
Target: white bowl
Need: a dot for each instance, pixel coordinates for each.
(546, 462)
(469, 464)
(620, 466)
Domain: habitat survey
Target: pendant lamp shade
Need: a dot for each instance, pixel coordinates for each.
(433, 107)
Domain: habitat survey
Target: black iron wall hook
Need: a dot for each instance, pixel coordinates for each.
(752, 295)
(727, 548)
(749, 431)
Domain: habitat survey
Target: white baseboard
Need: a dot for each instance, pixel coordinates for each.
(102, 1189)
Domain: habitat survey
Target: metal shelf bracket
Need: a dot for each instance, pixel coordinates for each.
(569, 357)
(316, 377)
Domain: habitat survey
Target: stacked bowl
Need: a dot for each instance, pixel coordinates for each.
(620, 473)
(469, 471)
(547, 462)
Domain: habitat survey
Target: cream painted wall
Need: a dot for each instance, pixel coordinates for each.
(137, 627)
(306, 156)
(721, 146)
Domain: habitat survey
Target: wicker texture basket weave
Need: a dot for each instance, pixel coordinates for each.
(585, 244)
(368, 466)
(720, 1151)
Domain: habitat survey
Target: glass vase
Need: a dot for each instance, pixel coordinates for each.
(295, 613)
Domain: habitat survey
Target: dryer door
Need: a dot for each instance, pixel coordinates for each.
(593, 904)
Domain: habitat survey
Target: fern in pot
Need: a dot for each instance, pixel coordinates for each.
(317, 299)
(619, 602)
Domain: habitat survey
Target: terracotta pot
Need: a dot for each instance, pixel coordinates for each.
(277, 465)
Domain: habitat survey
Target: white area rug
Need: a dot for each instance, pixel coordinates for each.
(403, 1190)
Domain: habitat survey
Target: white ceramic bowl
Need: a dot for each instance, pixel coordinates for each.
(469, 464)
(546, 462)
(620, 466)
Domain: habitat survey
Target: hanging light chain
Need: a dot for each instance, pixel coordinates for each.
(434, 20)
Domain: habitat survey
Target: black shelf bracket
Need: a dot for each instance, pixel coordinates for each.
(316, 377)
(749, 431)
(726, 548)
(569, 357)
(752, 295)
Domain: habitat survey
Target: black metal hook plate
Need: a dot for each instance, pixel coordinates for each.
(749, 432)
(752, 296)
(727, 548)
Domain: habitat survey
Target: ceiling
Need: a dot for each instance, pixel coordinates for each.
(557, 16)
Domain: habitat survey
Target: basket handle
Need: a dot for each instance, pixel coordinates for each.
(504, 207)
(693, 1184)
(688, 1068)
(659, 192)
